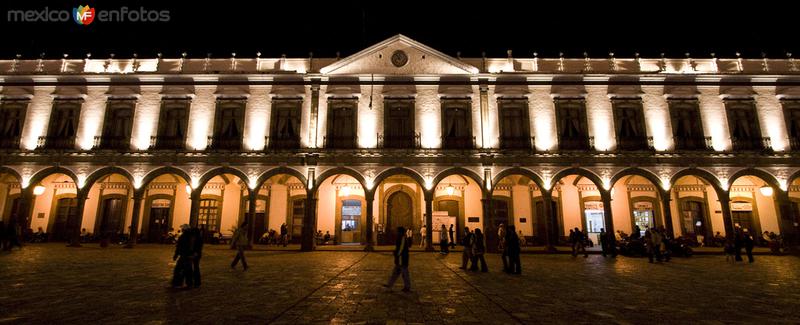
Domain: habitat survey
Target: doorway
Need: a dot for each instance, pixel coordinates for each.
(159, 225)
(351, 221)
(64, 221)
(112, 219)
(399, 211)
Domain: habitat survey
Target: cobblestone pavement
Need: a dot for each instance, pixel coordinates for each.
(55, 284)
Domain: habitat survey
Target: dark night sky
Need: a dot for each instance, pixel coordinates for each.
(298, 27)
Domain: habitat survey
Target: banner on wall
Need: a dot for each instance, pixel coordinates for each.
(441, 218)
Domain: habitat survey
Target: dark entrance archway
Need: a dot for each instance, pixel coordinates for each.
(399, 213)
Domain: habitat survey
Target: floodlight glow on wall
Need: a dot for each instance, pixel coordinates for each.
(38, 190)
(766, 190)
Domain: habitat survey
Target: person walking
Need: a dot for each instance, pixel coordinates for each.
(478, 250)
(748, 245)
(182, 274)
(12, 235)
(423, 232)
(738, 242)
(578, 243)
(284, 234)
(655, 243)
(501, 245)
(512, 251)
(466, 244)
(240, 242)
(572, 243)
(603, 243)
(3, 237)
(400, 262)
(444, 247)
(452, 239)
(197, 253)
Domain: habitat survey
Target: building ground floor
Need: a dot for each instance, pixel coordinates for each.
(342, 206)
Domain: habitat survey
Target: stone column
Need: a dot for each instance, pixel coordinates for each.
(75, 241)
(370, 241)
(309, 224)
(667, 208)
(551, 230)
(725, 203)
(489, 232)
(429, 221)
(484, 102)
(137, 207)
(607, 215)
(251, 216)
(194, 210)
(787, 218)
(313, 117)
(23, 213)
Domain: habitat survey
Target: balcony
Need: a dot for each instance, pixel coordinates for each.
(635, 143)
(575, 143)
(693, 143)
(399, 141)
(225, 143)
(282, 143)
(518, 143)
(167, 143)
(112, 143)
(9, 143)
(459, 142)
(751, 144)
(340, 142)
(56, 143)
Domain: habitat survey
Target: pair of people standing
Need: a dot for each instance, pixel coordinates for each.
(188, 251)
(511, 251)
(577, 239)
(474, 245)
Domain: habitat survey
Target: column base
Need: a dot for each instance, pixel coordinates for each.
(429, 249)
(369, 248)
(550, 249)
(74, 245)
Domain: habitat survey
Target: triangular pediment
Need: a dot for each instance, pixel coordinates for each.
(399, 55)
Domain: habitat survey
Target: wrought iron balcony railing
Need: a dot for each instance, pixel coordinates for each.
(340, 142)
(576, 143)
(224, 143)
(459, 142)
(112, 143)
(9, 142)
(751, 144)
(517, 143)
(399, 141)
(167, 143)
(56, 143)
(282, 143)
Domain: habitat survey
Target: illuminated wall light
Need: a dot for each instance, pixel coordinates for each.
(428, 183)
(607, 184)
(81, 180)
(26, 181)
(665, 184)
(195, 182)
(723, 182)
(137, 182)
(429, 137)
(252, 183)
(450, 190)
(310, 172)
(367, 128)
(766, 190)
(547, 184)
(38, 190)
(784, 184)
(188, 189)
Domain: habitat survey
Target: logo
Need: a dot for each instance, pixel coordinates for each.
(83, 15)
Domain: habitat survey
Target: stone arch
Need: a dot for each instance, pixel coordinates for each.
(339, 170)
(220, 171)
(42, 174)
(580, 172)
(10, 171)
(164, 171)
(399, 171)
(705, 175)
(106, 171)
(281, 170)
(518, 171)
(763, 175)
(459, 171)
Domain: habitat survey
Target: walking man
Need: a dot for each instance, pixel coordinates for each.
(240, 242)
(424, 233)
(452, 239)
(512, 251)
(443, 245)
(183, 260)
(197, 253)
(466, 244)
(400, 262)
(284, 234)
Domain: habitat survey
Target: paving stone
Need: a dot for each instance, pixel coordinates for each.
(50, 283)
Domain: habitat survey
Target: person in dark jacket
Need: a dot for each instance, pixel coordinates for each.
(512, 250)
(452, 238)
(466, 244)
(183, 257)
(478, 250)
(197, 253)
(748, 245)
(400, 261)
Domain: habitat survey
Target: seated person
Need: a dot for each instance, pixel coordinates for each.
(327, 237)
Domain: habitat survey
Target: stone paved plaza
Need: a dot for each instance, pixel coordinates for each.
(55, 284)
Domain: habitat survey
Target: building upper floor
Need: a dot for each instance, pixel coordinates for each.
(400, 94)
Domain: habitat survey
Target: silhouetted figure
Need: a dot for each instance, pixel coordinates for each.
(748, 242)
(466, 244)
(401, 262)
(478, 250)
(240, 242)
(738, 242)
(197, 253)
(578, 246)
(512, 250)
(452, 239)
(183, 257)
(3, 236)
(12, 235)
(443, 245)
(284, 234)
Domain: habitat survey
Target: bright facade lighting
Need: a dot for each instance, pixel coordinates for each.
(450, 190)
(766, 190)
(344, 191)
(38, 190)
(188, 189)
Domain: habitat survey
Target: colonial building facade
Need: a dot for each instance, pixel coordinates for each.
(400, 134)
